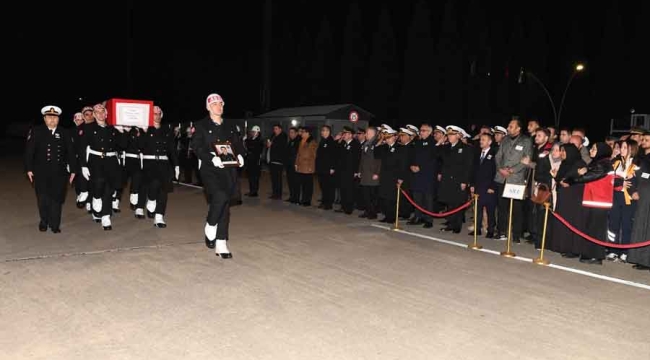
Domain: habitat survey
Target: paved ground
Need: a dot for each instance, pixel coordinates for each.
(303, 284)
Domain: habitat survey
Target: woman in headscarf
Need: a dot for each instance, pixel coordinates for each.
(544, 181)
(569, 198)
(641, 228)
(598, 178)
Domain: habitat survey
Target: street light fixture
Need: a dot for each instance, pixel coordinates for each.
(578, 68)
(523, 73)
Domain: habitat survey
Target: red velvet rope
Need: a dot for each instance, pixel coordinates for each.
(438, 215)
(596, 241)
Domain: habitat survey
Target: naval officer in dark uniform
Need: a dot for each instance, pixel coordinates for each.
(455, 177)
(219, 181)
(49, 159)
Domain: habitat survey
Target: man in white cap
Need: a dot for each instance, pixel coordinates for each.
(159, 168)
(424, 165)
(415, 130)
(80, 183)
(406, 138)
(440, 135)
(499, 134)
(100, 164)
(49, 158)
(394, 168)
(219, 181)
(254, 149)
(455, 176)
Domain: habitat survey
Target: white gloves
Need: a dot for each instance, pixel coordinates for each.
(86, 173)
(241, 160)
(177, 171)
(217, 162)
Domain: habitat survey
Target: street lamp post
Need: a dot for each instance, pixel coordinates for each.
(556, 114)
(577, 69)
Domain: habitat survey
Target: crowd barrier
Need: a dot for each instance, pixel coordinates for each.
(508, 253)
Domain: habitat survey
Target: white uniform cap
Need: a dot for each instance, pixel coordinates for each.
(500, 129)
(585, 141)
(51, 110)
(213, 98)
(465, 134)
(440, 128)
(159, 109)
(406, 131)
(256, 129)
(455, 129)
(78, 116)
(413, 128)
(390, 131)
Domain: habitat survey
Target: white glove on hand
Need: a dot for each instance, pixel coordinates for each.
(241, 160)
(86, 173)
(177, 171)
(217, 162)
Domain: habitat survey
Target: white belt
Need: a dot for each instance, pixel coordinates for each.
(133, 156)
(155, 157)
(100, 153)
(130, 155)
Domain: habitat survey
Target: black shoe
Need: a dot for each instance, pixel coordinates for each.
(81, 205)
(591, 261)
(363, 216)
(427, 225)
(471, 233)
(306, 204)
(372, 217)
(42, 226)
(108, 228)
(160, 225)
(56, 231)
(210, 244)
(133, 207)
(150, 215)
(338, 211)
(489, 235)
(640, 267)
(224, 255)
(569, 255)
(116, 210)
(414, 221)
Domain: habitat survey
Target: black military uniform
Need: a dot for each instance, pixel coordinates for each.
(346, 167)
(133, 165)
(50, 156)
(394, 167)
(425, 156)
(456, 169)
(103, 144)
(219, 183)
(80, 182)
(254, 149)
(159, 162)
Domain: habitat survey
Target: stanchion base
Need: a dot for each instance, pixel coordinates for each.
(474, 247)
(396, 228)
(539, 261)
(509, 254)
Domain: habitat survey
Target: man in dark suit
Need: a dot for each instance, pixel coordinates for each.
(50, 162)
(484, 186)
(276, 156)
(454, 177)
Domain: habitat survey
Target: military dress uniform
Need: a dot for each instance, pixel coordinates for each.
(50, 156)
(424, 155)
(254, 150)
(346, 168)
(80, 183)
(219, 182)
(456, 169)
(159, 167)
(325, 161)
(103, 145)
(133, 165)
(394, 167)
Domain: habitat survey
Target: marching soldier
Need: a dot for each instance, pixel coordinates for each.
(100, 164)
(133, 166)
(254, 149)
(80, 184)
(50, 162)
(159, 168)
(219, 181)
(455, 176)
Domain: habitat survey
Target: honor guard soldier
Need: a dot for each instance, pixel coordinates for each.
(457, 160)
(219, 181)
(325, 162)
(80, 184)
(394, 167)
(132, 164)
(50, 162)
(159, 166)
(100, 165)
(424, 166)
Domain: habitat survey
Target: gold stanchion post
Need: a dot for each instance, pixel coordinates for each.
(509, 253)
(475, 245)
(399, 192)
(540, 260)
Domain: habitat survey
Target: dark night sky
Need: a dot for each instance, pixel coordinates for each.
(183, 52)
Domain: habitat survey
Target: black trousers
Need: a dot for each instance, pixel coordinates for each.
(504, 213)
(621, 220)
(155, 192)
(276, 179)
(489, 203)
(455, 221)
(405, 207)
(102, 189)
(306, 187)
(424, 200)
(80, 183)
(293, 181)
(388, 208)
(326, 182)
(371, 200)
(218, 204)
(347, 192)
(49, 210)
(359, 200)
(254, 171)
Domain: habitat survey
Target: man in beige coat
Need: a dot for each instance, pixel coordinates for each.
(306, 165)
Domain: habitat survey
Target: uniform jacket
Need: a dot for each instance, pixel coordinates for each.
(369, 165)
